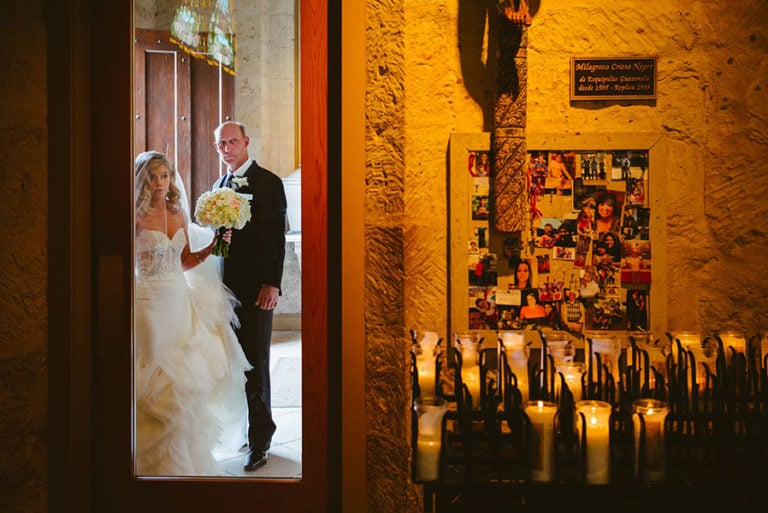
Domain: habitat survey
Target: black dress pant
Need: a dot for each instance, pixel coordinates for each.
(255, 336)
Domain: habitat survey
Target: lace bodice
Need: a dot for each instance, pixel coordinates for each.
(157, 255)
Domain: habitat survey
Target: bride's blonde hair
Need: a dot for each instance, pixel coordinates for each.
(144, 163)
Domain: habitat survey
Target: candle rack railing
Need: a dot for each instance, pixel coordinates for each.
(715, 433)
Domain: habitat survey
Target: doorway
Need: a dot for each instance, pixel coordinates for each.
(181, 93)
(93, 155)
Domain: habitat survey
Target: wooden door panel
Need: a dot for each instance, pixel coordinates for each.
(206, 103)
(179, 99)
(162, 98)
(160, 115)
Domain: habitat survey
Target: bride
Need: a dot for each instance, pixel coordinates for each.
(189, 367)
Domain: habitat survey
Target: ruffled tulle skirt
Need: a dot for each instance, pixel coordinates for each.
(189, 375)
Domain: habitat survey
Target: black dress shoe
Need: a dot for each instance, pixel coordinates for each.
(255, 459)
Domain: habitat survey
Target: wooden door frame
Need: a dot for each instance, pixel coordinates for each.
(90, 48)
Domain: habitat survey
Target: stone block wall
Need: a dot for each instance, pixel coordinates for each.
(430, 74)
(23, 259)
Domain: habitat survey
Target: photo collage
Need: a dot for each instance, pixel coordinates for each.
(586, 264)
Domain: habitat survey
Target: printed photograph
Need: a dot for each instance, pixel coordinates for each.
(605, 314)
(483, 163)
(532, 310)
(552, 290)
(486, 304)
(562, 253)
(480, 207)
(637, 310)
(511, 248)
(476, 319)
(480, 234)
(606, 273)
(589, 288)
(584, 194)
(538, 170)
(636, 192)
(560, 173)
(523, 275)
(627, 164)
(636, 223)
(606, 248)
(482, 269)
(636, 261)
(542, 264)
(566, 234)
(593, 166)
(608, 208)
(479, 163)
(552, 315)
(508, 317)
(546, 233)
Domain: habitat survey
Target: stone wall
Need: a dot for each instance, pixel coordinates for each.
(23, 259)
(430, 74)
(266, 79)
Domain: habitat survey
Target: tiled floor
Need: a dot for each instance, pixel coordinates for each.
(285, 453)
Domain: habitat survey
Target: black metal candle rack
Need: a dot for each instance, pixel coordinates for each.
(715, 434)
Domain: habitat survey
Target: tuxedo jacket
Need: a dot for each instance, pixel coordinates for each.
(257, 251)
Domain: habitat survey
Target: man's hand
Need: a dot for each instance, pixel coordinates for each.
(267, 299)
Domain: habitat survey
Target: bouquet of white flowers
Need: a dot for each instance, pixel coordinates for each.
(222, 209)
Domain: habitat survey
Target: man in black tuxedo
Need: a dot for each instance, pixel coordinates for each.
(253, 271)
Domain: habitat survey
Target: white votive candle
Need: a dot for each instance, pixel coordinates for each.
(513, 340)
(425, 364)
(560, 348)
(517, 359)
(732, 339)
(470, 369)
(609, 348)
(596, 425)
(542, 417)
(657, 351)
(429, 438)
(650, 464)
(690, 342)
(427, 459)
(572, 373)
(470, 375)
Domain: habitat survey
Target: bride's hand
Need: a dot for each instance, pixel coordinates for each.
(227, 236)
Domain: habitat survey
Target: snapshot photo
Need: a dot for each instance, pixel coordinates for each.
(636, 261)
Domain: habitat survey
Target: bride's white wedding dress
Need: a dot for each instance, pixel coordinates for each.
(189, 367)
